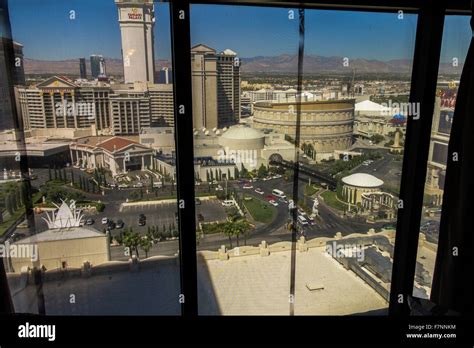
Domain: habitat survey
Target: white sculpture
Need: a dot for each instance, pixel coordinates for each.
(66, 216)
(315, 206)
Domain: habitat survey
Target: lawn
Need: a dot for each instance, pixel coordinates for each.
(260, 210)
(7, 224)
(310, 190)
(331, 200)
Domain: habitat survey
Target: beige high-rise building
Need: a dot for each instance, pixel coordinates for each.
(137, 19)
(216, 87)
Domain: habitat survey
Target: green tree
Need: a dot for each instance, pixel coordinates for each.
(145, 245)
(132, 240)
(262, 171)
(8, 204)
(228, 229)
(244, 227)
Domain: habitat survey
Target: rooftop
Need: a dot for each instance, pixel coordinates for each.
(62, 234)
(116, 144)
(362, 180)
(242, 132)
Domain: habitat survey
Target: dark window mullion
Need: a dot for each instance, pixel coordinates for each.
(423, 88)
(181, 56)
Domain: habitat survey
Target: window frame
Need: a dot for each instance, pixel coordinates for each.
(427, 52)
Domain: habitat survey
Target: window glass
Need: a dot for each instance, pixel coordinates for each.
(94, 98)
(244, 77)
(456, 38)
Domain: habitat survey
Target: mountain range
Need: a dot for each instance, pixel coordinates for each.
(284, 63)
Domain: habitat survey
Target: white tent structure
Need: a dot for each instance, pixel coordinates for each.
(369, 108)
(66, 216)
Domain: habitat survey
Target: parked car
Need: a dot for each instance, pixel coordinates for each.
(219, 188)
(105, 221)
(247, 186)
(120, 223)
(273, 202)
(198, 201)
(111, 225)
(200, 218)
(17, 236)
(89, 221)
(228, 203)
(259, 191)
(389, 227)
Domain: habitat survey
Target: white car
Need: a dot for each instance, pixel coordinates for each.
(105, 221)
(247, 186)
(259, 191)
(219, 188)
(273, 202)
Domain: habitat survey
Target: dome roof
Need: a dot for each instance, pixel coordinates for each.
(244, 133)
(362, 180)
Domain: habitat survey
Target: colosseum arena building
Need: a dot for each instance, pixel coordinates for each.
(326, 125)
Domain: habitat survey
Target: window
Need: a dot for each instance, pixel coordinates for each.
(345, 129)
(242, 63)
(456, 38)
(94, 98)
(299, 129)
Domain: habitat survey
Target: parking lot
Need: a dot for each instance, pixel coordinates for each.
(157, 214)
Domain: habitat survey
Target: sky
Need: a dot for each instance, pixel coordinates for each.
(48, 33)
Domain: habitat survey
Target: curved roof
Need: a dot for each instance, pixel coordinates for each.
(368, 105)
(229, 52)
(362, 180)
(241, 132)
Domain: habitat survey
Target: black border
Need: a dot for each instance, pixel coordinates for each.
(427, 53)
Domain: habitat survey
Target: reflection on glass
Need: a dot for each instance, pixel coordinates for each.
(353, 126)
(96, 104)
(241, 209)
(352, 111)
(456, 38)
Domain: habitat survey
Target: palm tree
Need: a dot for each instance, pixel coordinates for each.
(145, 245)
(244, 227)
(229, 230)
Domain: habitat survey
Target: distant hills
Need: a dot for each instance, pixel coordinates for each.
(71, 66)
(284, 63)
(287, 63)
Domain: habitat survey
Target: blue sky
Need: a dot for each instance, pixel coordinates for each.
(47, 32)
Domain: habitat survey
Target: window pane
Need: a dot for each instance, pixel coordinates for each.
(243, 61)
(456, 37)
(94, 96)
(352, 124)
(357, 72)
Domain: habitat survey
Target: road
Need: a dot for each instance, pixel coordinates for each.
(161, 214)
